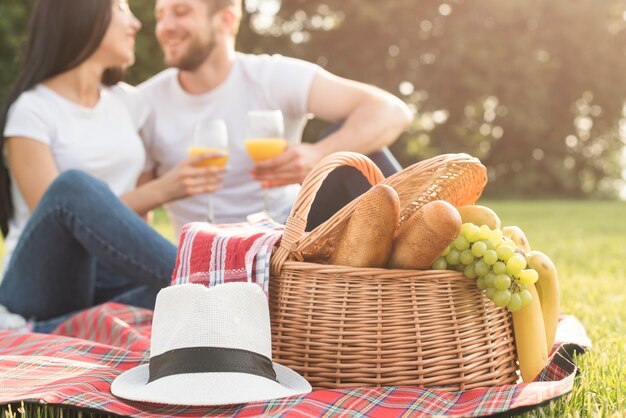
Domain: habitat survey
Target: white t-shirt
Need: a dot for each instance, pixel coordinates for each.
(102, 141)
(255, 82)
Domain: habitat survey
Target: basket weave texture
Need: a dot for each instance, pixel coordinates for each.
(345, 327)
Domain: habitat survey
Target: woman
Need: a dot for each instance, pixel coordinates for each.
(71, 148)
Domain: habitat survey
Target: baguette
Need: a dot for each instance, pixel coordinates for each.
(422, 238)
(367, 238)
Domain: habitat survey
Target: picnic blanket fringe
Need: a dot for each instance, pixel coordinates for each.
(75, 367)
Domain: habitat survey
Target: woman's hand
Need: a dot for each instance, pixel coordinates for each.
(186, 179)
(190, 178)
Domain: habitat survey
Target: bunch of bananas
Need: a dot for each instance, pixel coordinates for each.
(535, 324)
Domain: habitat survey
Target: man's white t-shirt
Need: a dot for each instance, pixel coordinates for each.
(255, 82)
(102, 141)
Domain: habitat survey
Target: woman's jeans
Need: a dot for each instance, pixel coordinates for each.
(82, 246)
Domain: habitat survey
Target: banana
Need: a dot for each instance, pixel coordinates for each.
(479, 215)
(530, 338)
(548, 290)
(518, 236)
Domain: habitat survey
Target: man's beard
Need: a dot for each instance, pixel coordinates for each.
(195, 55)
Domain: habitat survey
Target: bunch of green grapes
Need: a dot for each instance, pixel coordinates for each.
(494, 261)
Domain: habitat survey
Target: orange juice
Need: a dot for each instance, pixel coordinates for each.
(264, 148)
(210, 162)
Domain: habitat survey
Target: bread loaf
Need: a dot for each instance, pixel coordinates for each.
(367, 238)
(422, 238)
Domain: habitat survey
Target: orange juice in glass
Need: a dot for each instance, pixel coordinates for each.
(261, 149)
(220, 161)
(210, 136)
(265, 132)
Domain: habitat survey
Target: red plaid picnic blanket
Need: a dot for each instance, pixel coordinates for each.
(215, 254)
(75, 367)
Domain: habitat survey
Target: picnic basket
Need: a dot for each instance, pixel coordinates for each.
(345, 327)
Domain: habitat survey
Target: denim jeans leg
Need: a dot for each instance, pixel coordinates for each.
(47, 326)
(113, 287)
(110, 287)
(78, 221)
(345, 184)
(49, 273)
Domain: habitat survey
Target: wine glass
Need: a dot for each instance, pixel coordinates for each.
(210, 136)
(265, 138)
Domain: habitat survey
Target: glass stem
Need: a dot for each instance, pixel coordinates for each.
(266, 201)
(210, 215)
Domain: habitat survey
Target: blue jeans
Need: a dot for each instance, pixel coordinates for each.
(345, 184)
(82, 246)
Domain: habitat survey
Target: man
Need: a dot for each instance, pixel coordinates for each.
(208, 78)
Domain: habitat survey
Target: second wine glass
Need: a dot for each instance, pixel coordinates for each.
(210, 136)
(265, 138)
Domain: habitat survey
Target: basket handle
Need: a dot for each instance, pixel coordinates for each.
(296, 223)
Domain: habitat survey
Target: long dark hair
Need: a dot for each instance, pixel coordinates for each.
(62, 34)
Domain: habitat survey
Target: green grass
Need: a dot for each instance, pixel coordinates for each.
(162, 224)
(587, 241)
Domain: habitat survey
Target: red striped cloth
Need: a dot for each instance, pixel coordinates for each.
(75, 368)
(215, 254)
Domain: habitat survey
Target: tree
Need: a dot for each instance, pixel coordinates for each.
(533, 88)
(13, 20)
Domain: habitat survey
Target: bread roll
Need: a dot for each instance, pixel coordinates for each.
(367, 238)
(422, 238)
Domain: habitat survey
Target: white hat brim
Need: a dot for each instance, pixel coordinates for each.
(203, 389)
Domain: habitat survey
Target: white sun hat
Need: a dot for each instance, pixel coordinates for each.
(210, 346)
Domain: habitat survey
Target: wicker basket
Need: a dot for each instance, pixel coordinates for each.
(346, 327)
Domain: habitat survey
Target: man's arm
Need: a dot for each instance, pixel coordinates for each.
(372, 119)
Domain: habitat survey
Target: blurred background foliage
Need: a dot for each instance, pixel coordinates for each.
(536, 89)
